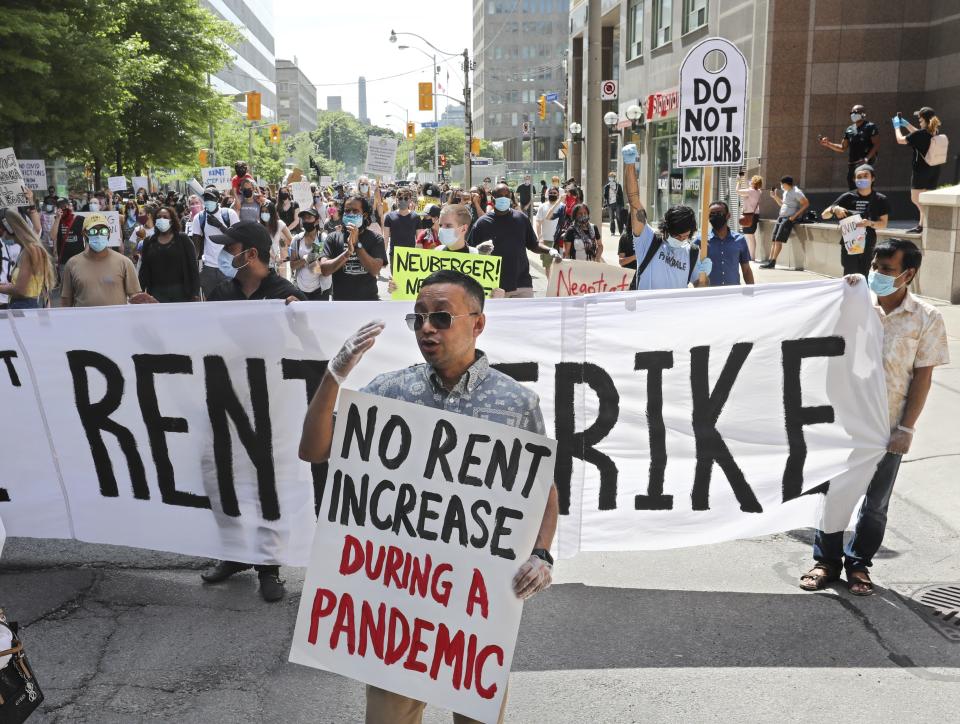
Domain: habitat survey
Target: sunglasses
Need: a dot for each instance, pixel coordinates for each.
(98, 232)
(438, 320)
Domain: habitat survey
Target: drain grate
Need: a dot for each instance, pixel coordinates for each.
(940, 606)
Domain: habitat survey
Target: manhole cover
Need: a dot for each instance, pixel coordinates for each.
(939, 604)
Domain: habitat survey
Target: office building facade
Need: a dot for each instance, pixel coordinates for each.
(809, 62)
(255, 66)
(296, 97)
(334, 103)
(519, 49)
(362, 101)
(453, 115)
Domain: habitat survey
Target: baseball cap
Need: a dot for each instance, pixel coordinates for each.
(251, 234)
(433, 210)
(91, 220)
(309, 212)
(211, 194)
(926, 113)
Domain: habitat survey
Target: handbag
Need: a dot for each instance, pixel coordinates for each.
(20, 693)
(746, 219)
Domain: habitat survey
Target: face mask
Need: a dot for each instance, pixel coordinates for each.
(48, 208)
(855, 117)
(247, 193)
(863, 183)
(225, 262)
(403, 205)
(264, 216)
(353, 219)
(612, 178)
(364, 188)
(98, 243)
(210, 206)
(9, 242)
(163, 225)
(132, 213)
(282, 195)
(309, 226)
(551, 198)
(674, 242)
(94, 205)
(501, 203)
(718, 221)
(447, 236)
(881, 284)
(583, 220)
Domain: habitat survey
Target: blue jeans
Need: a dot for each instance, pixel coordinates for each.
(871, 524)
(24, 303)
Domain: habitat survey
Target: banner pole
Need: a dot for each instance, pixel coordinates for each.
(706, 192)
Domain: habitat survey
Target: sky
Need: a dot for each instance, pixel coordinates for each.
(338, 42)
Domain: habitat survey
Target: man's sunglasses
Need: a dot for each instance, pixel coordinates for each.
(438, 320)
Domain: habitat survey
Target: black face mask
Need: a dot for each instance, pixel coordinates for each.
(309, 226)
(552, 198)
(248, 193)
(718, 221)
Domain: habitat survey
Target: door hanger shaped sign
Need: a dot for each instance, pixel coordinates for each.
(713, 105)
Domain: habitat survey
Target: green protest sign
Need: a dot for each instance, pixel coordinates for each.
(411, 266)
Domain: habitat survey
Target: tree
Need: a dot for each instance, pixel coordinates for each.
(232, 141)
(301, 149)
(451, 143)
(343, 138)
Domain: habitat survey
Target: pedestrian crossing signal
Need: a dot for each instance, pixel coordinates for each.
(274, 133)
(425, 96)
(443, 160)
(411, 130)
(542, 103)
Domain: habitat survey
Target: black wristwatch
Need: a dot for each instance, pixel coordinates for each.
(543, 554)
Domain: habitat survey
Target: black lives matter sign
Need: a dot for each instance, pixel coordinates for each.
(713, 104)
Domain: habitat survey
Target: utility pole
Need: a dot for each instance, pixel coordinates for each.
(436, 126)
(211, 155)
(468, 124)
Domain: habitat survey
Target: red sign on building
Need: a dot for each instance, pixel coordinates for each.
(661, 105)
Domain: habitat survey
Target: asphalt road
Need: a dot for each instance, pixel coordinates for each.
(719, 633)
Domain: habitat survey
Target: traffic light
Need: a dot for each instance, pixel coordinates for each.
(425, 94)
(542, 105)
(253, 106)
(411, 130)
(274, 133)
(475, 146)
(203, 157)
(443, 160)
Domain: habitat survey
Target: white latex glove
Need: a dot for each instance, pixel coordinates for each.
(353, 349)
(900, 442)
(533, 576)
(556, 255)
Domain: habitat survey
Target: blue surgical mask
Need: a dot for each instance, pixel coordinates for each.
(163, 225)
(353, 220)
(210, 206)
(98, 243)
(94, 205)
(225, 263)
(501, 203)
(881, 284)
(862, 183)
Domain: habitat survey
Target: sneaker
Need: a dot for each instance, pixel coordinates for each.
(915, 230)
(271, 587)
(223, 570)
(768, 264)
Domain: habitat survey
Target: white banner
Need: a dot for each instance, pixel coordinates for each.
(11, 180)
(218, 176)
(713, 105)
(117, 183)
(141, 182)
(571, 278)
(381, 155)
(34, 172)
(302, 195)
(683, 417)
(113, 222)
(391, 456)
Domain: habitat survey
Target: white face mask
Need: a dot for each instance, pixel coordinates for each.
(94, 205)
(447, 235)
(364, 188)
(855, 117)
(675, 243)
(163, 225)
(264, 216)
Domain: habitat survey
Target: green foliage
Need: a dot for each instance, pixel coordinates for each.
(301, 149)
(231, 143)
(342, 138)
(451, 143)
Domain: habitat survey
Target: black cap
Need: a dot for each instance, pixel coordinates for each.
(433, 210)
(252, 234)
(309, 211)
(210, 193)
(926, 113)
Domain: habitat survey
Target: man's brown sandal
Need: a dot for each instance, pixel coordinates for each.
(859, 583)
(819, 577)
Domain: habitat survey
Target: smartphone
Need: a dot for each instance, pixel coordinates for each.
(820, 136)
(899, 115)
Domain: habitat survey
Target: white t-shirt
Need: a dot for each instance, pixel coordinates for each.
(8, 260)
(548, 226)
(6, 642)
(306, 279)
(470, 249)
(275, 243)
(211, 251)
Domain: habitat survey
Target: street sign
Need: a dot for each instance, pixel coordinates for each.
(551, 97)
(430, 124)
(713, 105)
(608, 90)
(525, 128)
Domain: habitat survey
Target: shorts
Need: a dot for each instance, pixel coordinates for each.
(781, 232)
(752, 229)
(925, 179)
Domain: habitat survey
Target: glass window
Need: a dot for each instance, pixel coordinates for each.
(694, 14)
(514, 119)
(662, 16)
(634, 29)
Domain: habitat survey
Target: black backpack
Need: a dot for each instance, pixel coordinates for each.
(223, 225)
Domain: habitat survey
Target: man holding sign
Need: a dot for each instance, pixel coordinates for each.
(456, 377)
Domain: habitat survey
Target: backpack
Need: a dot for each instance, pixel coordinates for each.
(936, 154)
(225, 218)
(652, 252)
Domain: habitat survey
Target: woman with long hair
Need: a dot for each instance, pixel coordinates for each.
(168, 266)
(750, 207)
(582, 240)
(280, 235)
(128, 224)
(924, 177)
(33, 276)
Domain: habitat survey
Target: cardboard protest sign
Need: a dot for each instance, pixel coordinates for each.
(141, 182)
(117, 183)
(854, 237)
(426, 517)
(713, 105)
(34, 174)
(11, 180)
(113, 221)
(571, 278)
(381, 155)
(302, 194)
(218, 176)
(411, 266)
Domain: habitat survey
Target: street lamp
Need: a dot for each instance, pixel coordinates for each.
(406, 114)
(610, 120)
(468, 114)
(575, 130)
(635, 115)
